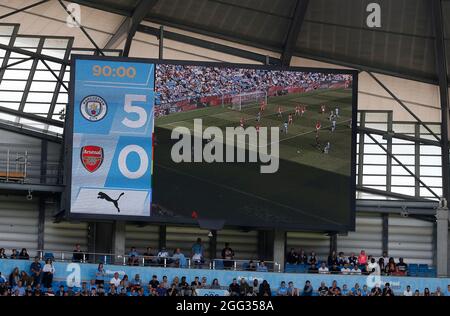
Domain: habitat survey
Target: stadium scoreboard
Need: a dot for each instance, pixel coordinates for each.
(110, 136)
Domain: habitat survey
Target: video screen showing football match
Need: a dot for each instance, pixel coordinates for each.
(254, 146)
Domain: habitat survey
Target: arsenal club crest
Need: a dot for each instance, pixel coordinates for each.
(93, 108)
(91, 157)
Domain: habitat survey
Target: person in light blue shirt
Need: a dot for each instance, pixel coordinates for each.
(262, 267)
(365, 291)
(345, 291)
(282, 290)
(179, 259)
(19, 289)
(355, 288)
(197, 252)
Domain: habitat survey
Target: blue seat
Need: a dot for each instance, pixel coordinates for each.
(49, 255)
(245, 266)
(218, 264)
(423, 267)
(432, 273)
(290, 268)
(301, 268)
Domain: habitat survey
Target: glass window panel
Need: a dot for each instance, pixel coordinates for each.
(26, 41)
(31, 123)
(403, 181)
(400, 171)
(4, 40)
(376, 187)
(53, 66)
(2, 53)
(11, 96)
(25, 65)
(12, 85)
(431, 171)
(43, 75)
(426, 193)
(55, 129)
(16, 74)
(428, 136)
(374, 180)
(435, 128)
(62, 98)
(433, 182)
(378, 126)
(10, 105)
(431, 160)
(404, 190)
(374, 170)
(58, 53)
(373, 149)
(39, 97)
(55, 43)
(378, 138)
(36, 108)
(403, 149)
(430, 150)
(377, 159)
(66, 76)
(404, 128)
(376, 117)
(401, 141)
(7, 117)
(406, 160)
(6, 30)
(43, 86)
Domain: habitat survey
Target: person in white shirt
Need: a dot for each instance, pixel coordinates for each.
(373, 267)
(345, 269)
(48, 272)
(115, 280)
(408, 291)
(163, 254)
(355, 269)
(323, 269)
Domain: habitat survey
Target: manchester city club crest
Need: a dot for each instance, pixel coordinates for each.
(93, 108)
(91, 157)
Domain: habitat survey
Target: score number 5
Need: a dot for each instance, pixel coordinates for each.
(140, 122)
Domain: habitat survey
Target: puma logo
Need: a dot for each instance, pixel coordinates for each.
(106, 197)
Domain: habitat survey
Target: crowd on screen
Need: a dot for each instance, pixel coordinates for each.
(38, 280)
(177, 82)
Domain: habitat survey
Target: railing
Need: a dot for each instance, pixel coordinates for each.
(155, 261)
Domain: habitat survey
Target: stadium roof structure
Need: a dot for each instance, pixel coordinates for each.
(332, 31)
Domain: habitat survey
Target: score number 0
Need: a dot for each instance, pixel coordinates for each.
(140, 122)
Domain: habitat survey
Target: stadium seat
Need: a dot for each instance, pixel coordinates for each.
(49, 255)
(432, 273)
(219, 264)
(423, 267)
(290, 268)
(413, 269)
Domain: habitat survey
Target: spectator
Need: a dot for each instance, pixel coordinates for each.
(196, 283)
(292, 257)
(438, 292)
(36, 270)
(227, 256)
(264, 289)
(61, 291)
(402, 267)
(391, 268)
(408, 291)
(255, 287)
(26, 279)
(244, 287)
(23, 255)
(234, 288)
(197, 253)
(100, 274)
(362, 258)
(161, 290)
(355, 270)
(125, 282)
(163, 256)
(335, 269)
(312, 260)
(345, 269)
(185, 289)
(173, 291)
(148, 257)
(262, 267)
(356, 289)
(332, 259)
(323, 289)
(115, 279)
(47, 274)
(353, 259)
(334, 290)
(14, 277)
(385, 257)
(323, 269)
(345, 291)
(154, 283)
(376, 290)
(3, 254)
(341, 259)
(14, 254)
(19, 289)
(387, 291)
(179, 260)
(215, 284)
(307, 290)
(373, 267)
(251, 266)
(136, 283)
(77, 255)
(382, 265)
(302, 258)
(133, 257)
(426, 292)
(416, 293)
(292, 291)
(365, 290)
(282, 290)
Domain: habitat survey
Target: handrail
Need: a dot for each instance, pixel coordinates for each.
(143, 260)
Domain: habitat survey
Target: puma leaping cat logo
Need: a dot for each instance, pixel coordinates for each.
(106, 197)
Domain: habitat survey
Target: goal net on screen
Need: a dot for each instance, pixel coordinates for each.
(248, 99)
